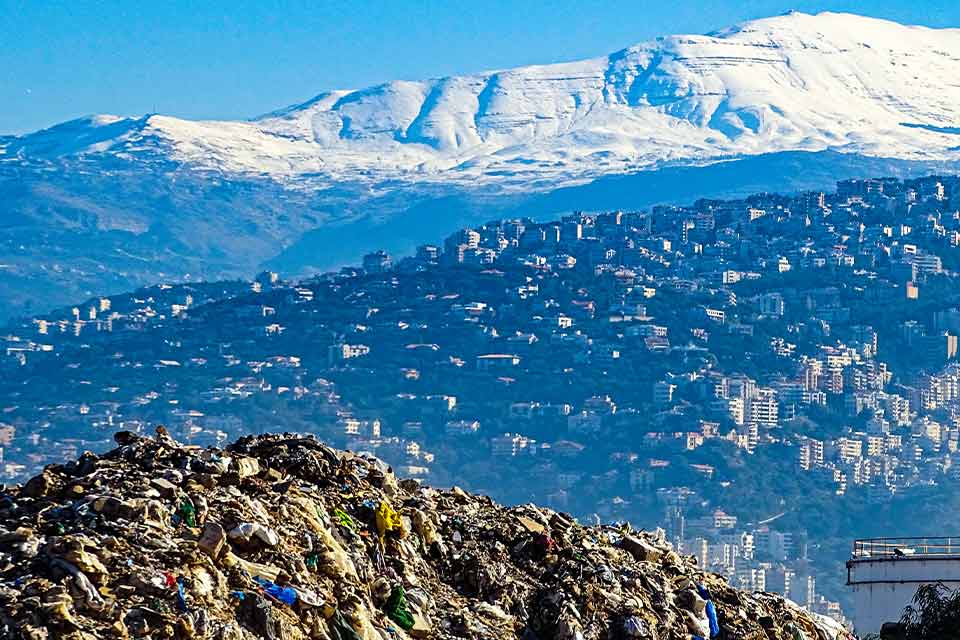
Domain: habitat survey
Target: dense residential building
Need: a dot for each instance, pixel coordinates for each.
(623, 365)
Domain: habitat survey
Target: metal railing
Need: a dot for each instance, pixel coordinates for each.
(895, 547)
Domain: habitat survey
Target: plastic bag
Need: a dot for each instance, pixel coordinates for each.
(286, 595)
(396, 608)
(634, 627)
(387, 520)
(248, 530)
(344, 518)
(188, 513)
(340, 629)
(711, 611)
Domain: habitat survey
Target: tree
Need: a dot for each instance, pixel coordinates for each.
(934, 614)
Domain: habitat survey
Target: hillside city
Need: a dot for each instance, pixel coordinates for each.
(751, 375)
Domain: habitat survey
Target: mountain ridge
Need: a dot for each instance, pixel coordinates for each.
(766, 85)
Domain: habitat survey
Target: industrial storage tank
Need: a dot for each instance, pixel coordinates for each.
(885, 573)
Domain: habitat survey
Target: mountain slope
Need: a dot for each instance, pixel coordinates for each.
(214, 198)
(793, 82)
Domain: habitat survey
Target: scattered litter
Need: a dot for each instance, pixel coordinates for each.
(282, 538)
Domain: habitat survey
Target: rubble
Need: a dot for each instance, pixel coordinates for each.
(280, 537)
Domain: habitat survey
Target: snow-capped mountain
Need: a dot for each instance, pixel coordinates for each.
(795, 101)
(793, 82)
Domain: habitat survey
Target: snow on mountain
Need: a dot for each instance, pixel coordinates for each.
(793, 82)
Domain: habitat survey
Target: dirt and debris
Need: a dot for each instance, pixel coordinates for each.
(283, 538)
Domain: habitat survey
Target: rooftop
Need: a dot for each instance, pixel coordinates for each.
(905, 547)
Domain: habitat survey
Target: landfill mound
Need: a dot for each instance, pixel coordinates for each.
(283, 538)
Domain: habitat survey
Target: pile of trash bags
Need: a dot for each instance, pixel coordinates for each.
(283, 538)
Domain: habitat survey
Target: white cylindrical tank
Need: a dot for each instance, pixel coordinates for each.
(885, 573)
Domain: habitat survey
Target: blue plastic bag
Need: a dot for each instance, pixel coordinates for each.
(181, 597)
(711, 611)
(712, 617)
(286, 595)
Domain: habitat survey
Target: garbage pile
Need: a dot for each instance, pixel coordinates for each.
(280, 537)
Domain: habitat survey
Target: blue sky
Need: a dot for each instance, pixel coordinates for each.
(64, 59)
